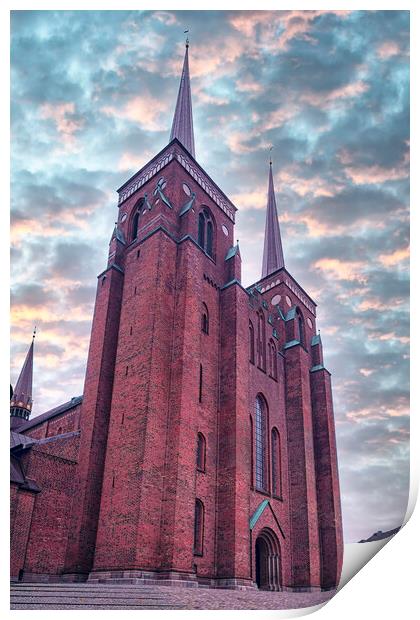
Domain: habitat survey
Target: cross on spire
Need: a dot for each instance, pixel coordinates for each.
(273, 251)
(182, 125)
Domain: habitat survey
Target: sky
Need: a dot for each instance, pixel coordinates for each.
(93, 95)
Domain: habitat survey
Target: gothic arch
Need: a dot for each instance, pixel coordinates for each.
(267, 561)
(207, 231)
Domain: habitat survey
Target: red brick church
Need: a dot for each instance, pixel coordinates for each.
(203, 449)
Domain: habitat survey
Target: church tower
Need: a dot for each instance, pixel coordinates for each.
(207, 451)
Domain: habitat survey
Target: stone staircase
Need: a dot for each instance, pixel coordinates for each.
(88, 596)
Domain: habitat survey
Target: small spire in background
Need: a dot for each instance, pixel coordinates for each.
(273, 251)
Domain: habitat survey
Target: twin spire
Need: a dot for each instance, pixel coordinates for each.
(182, 125)
(183, 130)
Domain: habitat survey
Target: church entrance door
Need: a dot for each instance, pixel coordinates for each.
(267, 561)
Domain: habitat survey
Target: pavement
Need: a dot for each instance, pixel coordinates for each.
(127, 596)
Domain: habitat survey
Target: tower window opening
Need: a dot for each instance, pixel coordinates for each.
(198, 527)
(251, 344)
(275, 463)
(206, 232)
(261, 341)
(201, 452)
(204, 319)
(135, 226)
(200, 389)
(301, 327)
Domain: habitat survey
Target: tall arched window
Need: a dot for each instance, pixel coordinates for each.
(198, 527)
(201, 229)
(204, 319)
(301, 329)
(261, 341)
(201, 452)
(275, 463)
(209, 240)
(260, 444)
(251, 344)
(272, 359)
(200, 386)
(135, 228)
(206, 232)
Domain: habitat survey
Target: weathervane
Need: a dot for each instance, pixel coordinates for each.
(270, 149)
(187, 41)
(34, 334)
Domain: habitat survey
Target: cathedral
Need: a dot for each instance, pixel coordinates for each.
(203, 450)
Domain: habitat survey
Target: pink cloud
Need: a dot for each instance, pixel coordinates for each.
(396, 257)
(387, 49)
(145, 110)
(329, 99)
(375, 174)
(343, 270)
(63, 116)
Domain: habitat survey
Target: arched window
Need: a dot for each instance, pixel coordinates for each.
(301, 329)
(251, 344)
(200, 387)
(201, 452)
(261, 341)
(204, 319)
(273, 359)
(251, 431)
(201, 229)
(260, 444)
(135, 228)
(275, 463)
(206, 232)
(209, 240)
(198, 527)
(135, 222)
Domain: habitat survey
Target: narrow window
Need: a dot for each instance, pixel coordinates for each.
(200, 391)
(209, 241)
(201, 452)
(135, 226)
(204, 319)
(198, 527)
(251, 344)
(275, 462)
(273, 360)
(201, 227)
(260, 444)
(301, 330)
(261, 341)
(251, 430)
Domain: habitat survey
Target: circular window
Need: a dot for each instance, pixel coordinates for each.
(288, 300)
(309, 322)
(123, 217)
(144, 211)
(276, 300)
(186, 189)
(225, 230)
(156, 201)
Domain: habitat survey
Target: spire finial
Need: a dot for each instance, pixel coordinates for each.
(182, 125)
(273, 251)
(34, 334)
(187, 41)
(270, 149)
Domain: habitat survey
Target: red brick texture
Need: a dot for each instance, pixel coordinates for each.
(155, 380)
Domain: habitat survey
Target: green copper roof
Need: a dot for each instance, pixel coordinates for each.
(257, 514)
(232, 252)
(290, 344)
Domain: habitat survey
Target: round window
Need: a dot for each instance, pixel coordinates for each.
(123, 217)
(186, 189)
(225, 230)
(276, 300)
(309, 322)
(288, 300)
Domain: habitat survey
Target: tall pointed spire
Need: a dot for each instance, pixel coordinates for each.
(182, 125)
(273, 251)
(21, 401)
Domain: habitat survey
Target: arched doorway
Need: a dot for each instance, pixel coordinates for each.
(267, 561)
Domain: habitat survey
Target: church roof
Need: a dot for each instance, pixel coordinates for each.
(273, 251)
(39, 419)
(182, 125)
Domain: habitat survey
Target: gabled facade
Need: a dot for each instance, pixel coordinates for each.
(207, 446)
